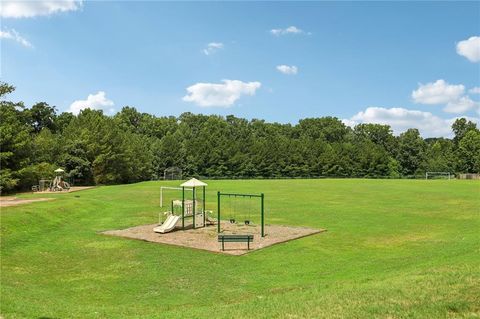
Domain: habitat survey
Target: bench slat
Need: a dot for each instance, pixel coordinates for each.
(234, 235)
(235, 239)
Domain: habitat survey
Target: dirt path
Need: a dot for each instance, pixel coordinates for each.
(6, 201)
(71, 190)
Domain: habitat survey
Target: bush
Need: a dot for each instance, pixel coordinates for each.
(7, 182)
(30, 175)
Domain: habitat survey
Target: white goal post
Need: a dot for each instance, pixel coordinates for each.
(437, 174)
(174, 188)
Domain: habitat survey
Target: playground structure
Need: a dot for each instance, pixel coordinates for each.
(168, 225)
(44, 185)
(58, 184)
(190, 209)
(242, 223)
(193, 183)
(162, 188)
(182, 210)
(173, 216)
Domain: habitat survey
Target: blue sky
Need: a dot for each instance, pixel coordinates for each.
(406, 64)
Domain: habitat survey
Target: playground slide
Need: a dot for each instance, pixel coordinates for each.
(168, 225)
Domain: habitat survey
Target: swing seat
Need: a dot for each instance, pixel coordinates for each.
(247, 222)
(232, 220)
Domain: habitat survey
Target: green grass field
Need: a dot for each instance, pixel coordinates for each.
(393, 249)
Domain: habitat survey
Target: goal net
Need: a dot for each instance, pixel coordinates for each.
(437, 175)
(172, 173)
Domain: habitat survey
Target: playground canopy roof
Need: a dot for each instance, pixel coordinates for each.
(193, 183)
(59, 170)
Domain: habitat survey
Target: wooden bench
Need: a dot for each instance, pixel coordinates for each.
(235, 239)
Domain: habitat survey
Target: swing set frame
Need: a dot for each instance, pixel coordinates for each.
(262, 207)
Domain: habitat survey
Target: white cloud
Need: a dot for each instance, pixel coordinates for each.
(286, 69)
(452, 96)
(15, 36)
(290, 30)
(401, 119)
(94, 101)
(28, 9)
(220, 95)
(470, 49)
(439, 92)
(213, 47)
(475, 90)
(462, 105)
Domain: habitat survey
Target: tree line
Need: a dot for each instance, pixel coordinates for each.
(131, 146)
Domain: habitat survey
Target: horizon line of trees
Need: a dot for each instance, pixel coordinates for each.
(131, 146)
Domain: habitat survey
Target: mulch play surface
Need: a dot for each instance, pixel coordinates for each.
(206, 238)
(7, 201)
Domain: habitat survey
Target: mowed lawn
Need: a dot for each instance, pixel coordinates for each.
(393, 249)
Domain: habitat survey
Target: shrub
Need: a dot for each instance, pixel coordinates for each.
(30, 175)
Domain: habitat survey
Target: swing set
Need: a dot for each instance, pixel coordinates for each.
(233, 218)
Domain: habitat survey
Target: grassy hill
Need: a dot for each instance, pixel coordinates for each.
(393, 249)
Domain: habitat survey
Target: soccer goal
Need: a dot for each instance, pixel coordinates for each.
(173, 173)
(438, 175)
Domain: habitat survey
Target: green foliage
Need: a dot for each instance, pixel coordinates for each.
(328, 128)
(46, 147)
(469, 152)
(378, 134)
(132, 146)
(440, 156)
(63, 120)
(461, 127)
(411, 151)
(41, 116)
(30, 175)
(7, 180)
(15, 140)
(5, 89)
(75, 161)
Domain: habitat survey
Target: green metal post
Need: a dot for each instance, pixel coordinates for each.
(172, 207)
(193, 209)
(263, 216)
(218, 212)
(204, 217)
(183, 207)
